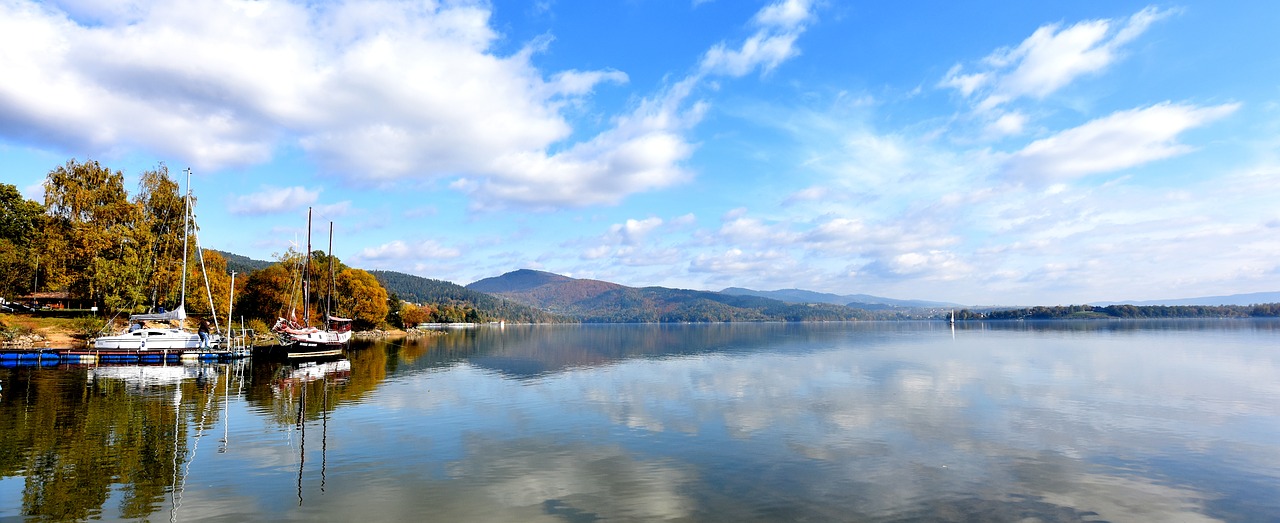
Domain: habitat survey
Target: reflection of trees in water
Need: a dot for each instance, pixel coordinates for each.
(74, 439)
(534, 351)
(530, 351)
(1123, 325)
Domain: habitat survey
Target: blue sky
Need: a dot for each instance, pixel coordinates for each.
(976, 152)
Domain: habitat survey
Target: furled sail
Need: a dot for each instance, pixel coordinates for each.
(177, 314)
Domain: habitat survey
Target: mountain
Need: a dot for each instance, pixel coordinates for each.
(860, 301)
(1232, 299)
(417, 289)
(544, 290)
(598, 301)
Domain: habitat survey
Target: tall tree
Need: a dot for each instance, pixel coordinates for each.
(89, 241)
(20, 221)
(266, 293)
(163, 217)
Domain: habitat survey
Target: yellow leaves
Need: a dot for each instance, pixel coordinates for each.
(360, 296)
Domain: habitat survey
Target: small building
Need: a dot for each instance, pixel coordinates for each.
(54, 300)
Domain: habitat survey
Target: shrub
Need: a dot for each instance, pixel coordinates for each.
(87, 326)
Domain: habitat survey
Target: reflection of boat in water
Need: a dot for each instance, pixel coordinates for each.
(337, 371)
(143, 376)
(296, 379)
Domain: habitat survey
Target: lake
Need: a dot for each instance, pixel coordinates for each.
(869, 421)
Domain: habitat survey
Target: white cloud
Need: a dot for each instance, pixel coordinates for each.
(349, 82)
(752, 231)
(787, 15)
(942, 265)
(1007, 124)
(633, 231)
(780, 24)
(334, 210)
(270, 200)
(373, 91)
(400, 250)
(1051, 58)
(1121, 140)
(734, 262)
(684, 220)
(808, 194)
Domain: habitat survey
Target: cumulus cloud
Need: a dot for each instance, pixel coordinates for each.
(734, 262)
(943, 265)
(642, 152)
(400, 250)
(1121, 140)
(632, 232)
(1051, 58)
(272, 200)
(372, 91)
(778, 27)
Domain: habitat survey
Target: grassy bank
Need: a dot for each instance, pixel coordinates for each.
(53, 330)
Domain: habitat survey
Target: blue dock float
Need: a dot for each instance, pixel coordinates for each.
(46, 357)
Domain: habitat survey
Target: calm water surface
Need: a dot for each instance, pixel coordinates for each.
(1056, 421)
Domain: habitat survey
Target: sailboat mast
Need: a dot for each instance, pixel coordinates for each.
(328, 299)
(306, 276)
(186, 231)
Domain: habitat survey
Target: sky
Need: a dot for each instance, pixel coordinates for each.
(981, 153)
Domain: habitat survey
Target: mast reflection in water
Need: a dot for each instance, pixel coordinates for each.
(294, 380)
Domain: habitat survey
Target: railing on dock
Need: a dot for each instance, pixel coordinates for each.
(240, 343)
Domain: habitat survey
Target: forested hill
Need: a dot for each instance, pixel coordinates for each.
(604, 302)
(242, 264)
(421, 290)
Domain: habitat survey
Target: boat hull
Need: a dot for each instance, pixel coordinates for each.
(153, 339)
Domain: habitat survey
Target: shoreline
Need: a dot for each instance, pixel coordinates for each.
(53, 333)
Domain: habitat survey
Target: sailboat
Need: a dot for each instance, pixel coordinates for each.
(139, 336)
(302, 340)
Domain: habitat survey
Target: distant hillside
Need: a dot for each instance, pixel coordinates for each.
(417, 289)
(242, 264)
(1233, 299)
(544, 290)
(860, 301)
(598, 302)
(518, 281)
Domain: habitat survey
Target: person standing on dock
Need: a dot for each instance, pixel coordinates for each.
(204, 334)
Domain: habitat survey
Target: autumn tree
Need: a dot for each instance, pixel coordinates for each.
(361, 297)
(266, 293)
(20, 221)
(91, 240)
(208, 278)
(411, 315)
(163, 219)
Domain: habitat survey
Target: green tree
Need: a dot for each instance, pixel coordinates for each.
(20, 221)
(91, 234)
(161, 235)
